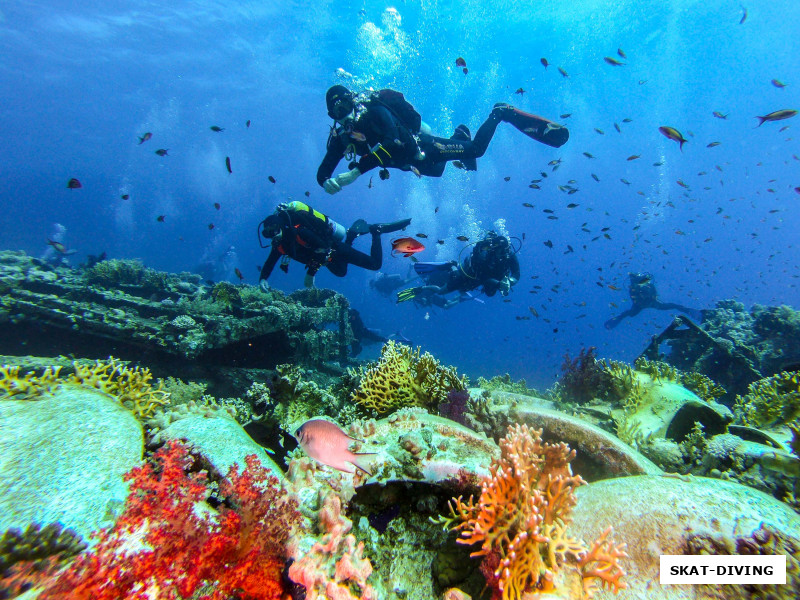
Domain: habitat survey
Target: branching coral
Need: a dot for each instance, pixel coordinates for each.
(131, 385)
(584, 377)
(404, 378)
(770, 401)
(703, 386)
(28, 386)
(521, 517)
(239, 551)
(659, 371)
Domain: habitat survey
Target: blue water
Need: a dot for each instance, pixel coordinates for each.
(79, 85)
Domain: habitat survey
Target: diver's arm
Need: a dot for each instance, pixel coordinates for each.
(273, 257)
(513, 276)
(333, 155)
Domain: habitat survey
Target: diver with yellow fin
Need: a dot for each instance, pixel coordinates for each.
(299, 232)
(382, 129)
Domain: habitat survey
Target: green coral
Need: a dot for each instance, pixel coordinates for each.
(659, 371)
(702, 386)
(37, 543)
(111, 273)
(403, 378)
(296, 399)
(770, 401)
(226, 294)
(504, 383)
(181, 392)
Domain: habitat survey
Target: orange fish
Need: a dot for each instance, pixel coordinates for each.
(406, 246)
(145, 137)
(328, 444)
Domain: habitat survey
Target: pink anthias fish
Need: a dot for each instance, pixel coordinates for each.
(328, 444)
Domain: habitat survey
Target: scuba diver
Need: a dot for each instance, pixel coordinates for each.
(386, 283)
(492, 265)
(643, 295)
(382, 129)
(310, 237)
(362, 334)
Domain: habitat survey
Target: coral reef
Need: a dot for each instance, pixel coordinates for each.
(333, 568)
(521, 518)
(454, 407)
(770, 401)
(583, 377)
(404, 378)
(34, 555)
(120, 306)
(130, 385)
(240, 549)
(503, 383)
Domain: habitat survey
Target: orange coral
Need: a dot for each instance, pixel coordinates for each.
(522, 515)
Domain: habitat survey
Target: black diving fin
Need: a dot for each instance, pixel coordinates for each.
(409, 294)
(536, 127)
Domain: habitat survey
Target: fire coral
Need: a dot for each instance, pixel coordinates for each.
(182, 549)
(521, 517)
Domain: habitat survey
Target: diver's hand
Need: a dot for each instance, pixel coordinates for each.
(263, 285)
(331, 186)
(505, 287)
(308, 281)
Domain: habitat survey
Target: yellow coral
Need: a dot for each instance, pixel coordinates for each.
(703, 386)
(29, 385)
(131, 386)
(522, 515)
(770, 401)
(404, 378)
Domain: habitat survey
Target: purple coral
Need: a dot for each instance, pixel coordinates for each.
(455, 406)
(583, 377)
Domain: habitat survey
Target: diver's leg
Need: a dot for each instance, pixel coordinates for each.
(371, 261)
(691, 312)
(613, 322)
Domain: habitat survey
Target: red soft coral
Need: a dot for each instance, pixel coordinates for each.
(239, 551)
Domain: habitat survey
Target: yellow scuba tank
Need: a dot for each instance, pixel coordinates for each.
(337, 231)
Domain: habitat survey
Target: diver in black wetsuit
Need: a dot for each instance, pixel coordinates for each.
(643, 295)
(383, 130)
(310, 237)
(492, 265)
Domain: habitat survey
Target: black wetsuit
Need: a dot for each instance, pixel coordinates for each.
(305, 239)
(398, 147)
(643, 295)
(486, 266)
(361, 333)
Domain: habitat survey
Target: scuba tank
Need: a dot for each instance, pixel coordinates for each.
(325, 223)
(322, 224)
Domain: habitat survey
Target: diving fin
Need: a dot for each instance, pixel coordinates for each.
(409, 294)
(535, 127)
(389, 227)
(462, 134)
(423, 268)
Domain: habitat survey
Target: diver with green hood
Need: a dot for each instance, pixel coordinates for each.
(382, 129)
(299, 232)
(492, 266)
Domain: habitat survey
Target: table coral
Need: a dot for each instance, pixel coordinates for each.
(521, 518)
(404, 378)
